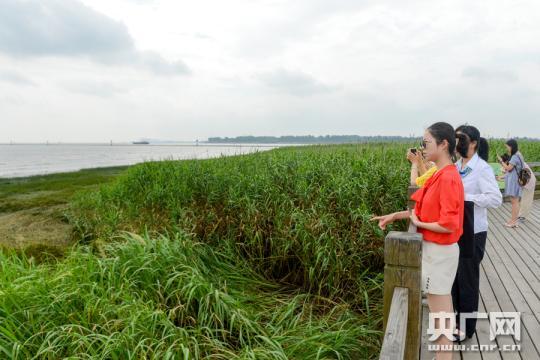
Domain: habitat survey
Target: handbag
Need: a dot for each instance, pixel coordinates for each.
(524, 175)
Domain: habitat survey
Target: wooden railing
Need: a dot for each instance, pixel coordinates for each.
(402, 295)
(402, 309)
(535, 165)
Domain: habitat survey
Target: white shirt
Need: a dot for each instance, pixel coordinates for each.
(481, 188)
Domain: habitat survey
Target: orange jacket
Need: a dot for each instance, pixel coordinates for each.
(441, 200)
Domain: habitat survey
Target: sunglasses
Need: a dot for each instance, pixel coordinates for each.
(424, 143)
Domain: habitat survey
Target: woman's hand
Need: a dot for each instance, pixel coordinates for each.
(384, 220)
(412, 157)
(435, 227)
(414, 219)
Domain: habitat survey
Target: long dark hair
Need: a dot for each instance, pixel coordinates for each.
(443, 131)
(482, 146)
(513, 146)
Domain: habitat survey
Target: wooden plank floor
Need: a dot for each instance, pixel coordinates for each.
(509, 281)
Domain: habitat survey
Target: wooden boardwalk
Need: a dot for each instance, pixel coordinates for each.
(509, 281)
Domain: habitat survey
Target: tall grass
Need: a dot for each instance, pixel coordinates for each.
(166, 298)
(298, 216)
(268, 256)
(262, 256)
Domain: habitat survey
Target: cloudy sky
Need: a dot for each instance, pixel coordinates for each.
(95, 70)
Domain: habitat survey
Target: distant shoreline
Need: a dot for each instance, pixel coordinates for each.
(157, 144)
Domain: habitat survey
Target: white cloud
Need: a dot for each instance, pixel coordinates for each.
(15, 78)
(70, 29)
(489, 75)
(266, 67)
(294, 82)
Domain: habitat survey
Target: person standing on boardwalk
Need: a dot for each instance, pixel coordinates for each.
(512, 188)
(438, 216)
(481, 192)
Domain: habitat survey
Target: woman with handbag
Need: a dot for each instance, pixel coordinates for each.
(513, 188)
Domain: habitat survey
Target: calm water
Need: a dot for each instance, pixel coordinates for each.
(25, 160)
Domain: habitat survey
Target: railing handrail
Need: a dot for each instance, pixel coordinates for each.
(402, 294)
(395, 335)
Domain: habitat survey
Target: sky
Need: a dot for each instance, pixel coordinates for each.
(121, 70)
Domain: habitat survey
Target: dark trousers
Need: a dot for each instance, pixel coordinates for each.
(466, 288)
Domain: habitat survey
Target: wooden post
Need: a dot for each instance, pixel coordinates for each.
(410, 203)
(403, 263)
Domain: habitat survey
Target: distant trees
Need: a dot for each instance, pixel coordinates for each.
(309, 139)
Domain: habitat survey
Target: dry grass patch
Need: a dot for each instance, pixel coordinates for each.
(34, 226)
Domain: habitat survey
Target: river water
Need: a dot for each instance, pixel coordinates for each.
(34, 159)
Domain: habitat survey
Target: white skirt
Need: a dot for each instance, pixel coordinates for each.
(439, 267)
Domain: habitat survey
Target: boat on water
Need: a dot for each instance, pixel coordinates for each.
(140, 143)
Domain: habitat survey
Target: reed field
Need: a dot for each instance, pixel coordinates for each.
(268, 255)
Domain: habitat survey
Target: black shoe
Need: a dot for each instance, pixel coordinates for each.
(458, 337)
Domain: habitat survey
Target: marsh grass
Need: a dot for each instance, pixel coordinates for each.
(262, 256)
(297, 216)
(166, 298)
